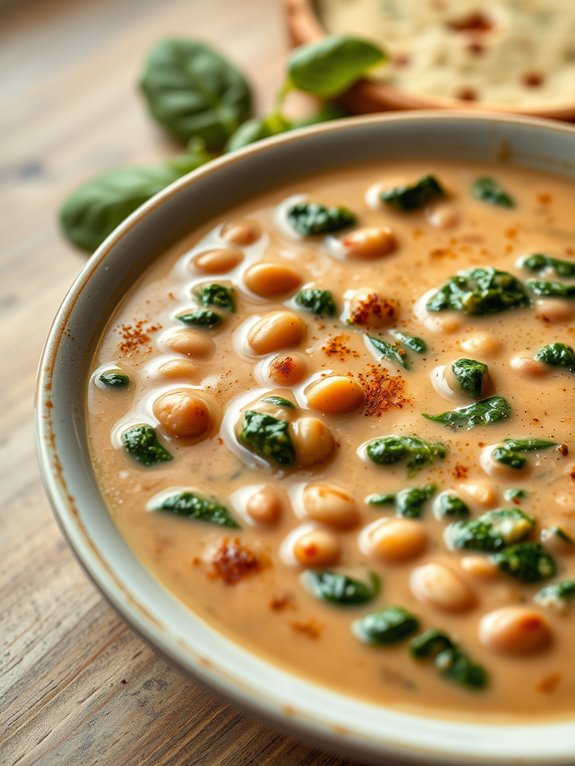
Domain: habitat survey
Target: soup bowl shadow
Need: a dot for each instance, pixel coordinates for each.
(294, 704)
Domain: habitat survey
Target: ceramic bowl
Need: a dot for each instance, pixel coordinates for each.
(304, 26)
(347, 725)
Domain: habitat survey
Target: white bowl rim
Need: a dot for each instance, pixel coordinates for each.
(407, 736)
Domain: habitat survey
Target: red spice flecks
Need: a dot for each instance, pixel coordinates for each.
(476, 21)
(283, 367)
(381, 391)
(136, 337)
(373, 308)
(460, 471)
(563, 450)
(337, 346)
(532, 79)
(475, 48)
(232, 562)
(281, 601)
(311, 628)
(401, 60)
(549, 684)
(467, 94)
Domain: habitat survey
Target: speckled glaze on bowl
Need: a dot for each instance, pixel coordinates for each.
(379, 734)
(304, 26)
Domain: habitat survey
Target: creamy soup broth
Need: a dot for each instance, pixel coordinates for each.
(252, 581)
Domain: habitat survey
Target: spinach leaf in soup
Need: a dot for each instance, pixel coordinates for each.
(479, 292)
(194, 506)
(204, 318)
(545, 289)
(311, 219)
(318, 302)
(409, 502)
(512, 451)
(482, 413)
(515, 494)
(414, 451)
(557, 355)
(411, 341)
(488, 190)
(195, 92)
(391, 351)
(558, 595)
(469, 375)
(329, 66)
(340, 589)
(279, 401)
(527, 562)
(491, 532)
(114, 379)
(415, 196)
(386, 627)
(220, 296)
(268, 437)
(451, 662)
(447, 505)
(539, 262)
(143, 445)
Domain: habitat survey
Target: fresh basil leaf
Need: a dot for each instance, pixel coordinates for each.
(488, 190)
(325, 113)
(339, 589)
(557, 355)
(551, 289)
(411, 341)
(195, 92)
(478, 292)
(391, 351)
(451, 662)
(220, 296)
(539, 262)
(527, 562)
(194, 506)
(114, 379)
(386, 627)
(279, 401)
(413, 197)
(319, 302)
(258, 129)
(482, 413)
(331, 65)
(416, 452)
(511, 452)
(311, 219)
(450, 506)
(141, 443)
(205, 318)
(268, 437)
(469, 375)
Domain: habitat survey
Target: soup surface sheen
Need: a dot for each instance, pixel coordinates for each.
(330, 527)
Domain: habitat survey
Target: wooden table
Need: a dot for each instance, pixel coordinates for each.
(77, 687)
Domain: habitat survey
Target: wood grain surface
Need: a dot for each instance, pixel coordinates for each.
(76, 686)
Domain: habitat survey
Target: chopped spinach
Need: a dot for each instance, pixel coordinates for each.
(339, 589)
(558, 532)
(492, 531)
(194, 506)
(557, 595)
(408, 502)
(416, 452)
(557, 355)
(469, 375)
(414, 196)
(527, 562)
(488, 190)
(511, 452)
(311, 219)
(220, 296)
(482, 413)
(515, 493)
(319, 302)
(114, 379)
(386, 627)
(411, 341)
(141, 443)
(450, 506)
(551, 289)
(268, 437)
(279, 401)
(205, 318)
(480, 291)
(450, 660)
(539, 262)
(391, 351)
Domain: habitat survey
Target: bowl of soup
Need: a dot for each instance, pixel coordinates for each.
(306, 420)
(507, 55)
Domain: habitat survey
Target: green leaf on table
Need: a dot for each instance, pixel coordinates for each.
(193, 506)
(329, 66)
(193, 91)
(257, 129)
(482, 413)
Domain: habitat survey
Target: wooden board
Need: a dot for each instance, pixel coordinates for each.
(77, 687)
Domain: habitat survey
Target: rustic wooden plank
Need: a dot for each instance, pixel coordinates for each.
(78, 687)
